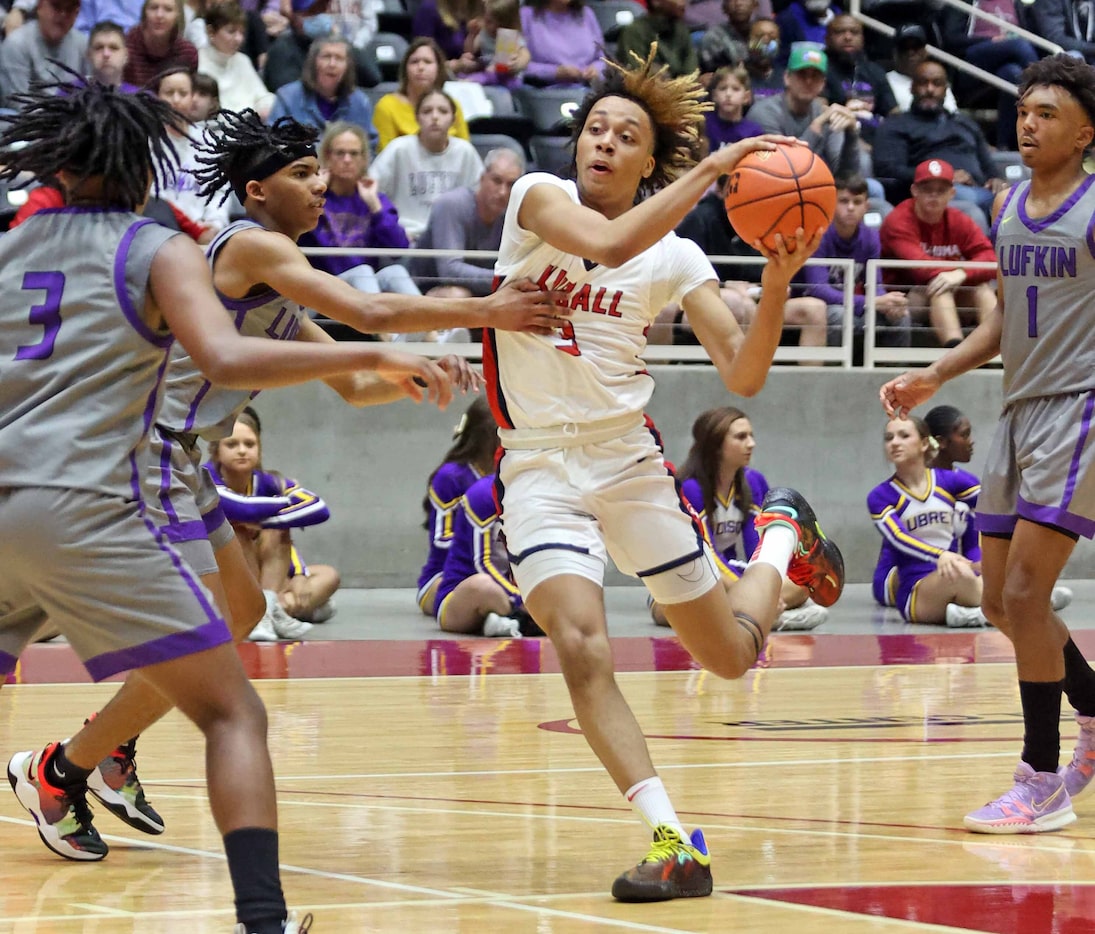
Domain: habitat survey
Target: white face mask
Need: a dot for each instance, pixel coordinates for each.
(816, 7)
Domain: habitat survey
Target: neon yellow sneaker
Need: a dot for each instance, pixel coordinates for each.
(674, 868)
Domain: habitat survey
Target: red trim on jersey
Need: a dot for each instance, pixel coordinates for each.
(490, 371)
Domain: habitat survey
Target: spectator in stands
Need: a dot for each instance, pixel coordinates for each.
(849, 238)
(926, 229)
(326, 90)
(731, 95)
(239, 85)
(356, 214)
(830, 130)
(564, 40)
(125, 13)
(470, 218)
(910, 48)
(106, 54)
(708, 225)
(194, 23)
(179, 187)
(29, 53)
(927, 131)
(206, 99)
(1068, 23)
(990, 47)
(413, 171)
(498, 63)
(765, 74)
(309, 20)
(852, 79)
(156, 44)
(357, 21)
(447, 22)
(805, 21)
(727, 43)
(664, 25)
(422, 70)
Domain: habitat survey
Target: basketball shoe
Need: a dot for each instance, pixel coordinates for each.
(292, 925)
(674, 868)
(965, 617)
(1079, 772)
(115, 785)
(817, 563)
(284, 625)
(801, 618)
(1038, 802)
(62, 814)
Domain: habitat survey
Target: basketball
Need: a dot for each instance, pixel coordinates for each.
(778, 192)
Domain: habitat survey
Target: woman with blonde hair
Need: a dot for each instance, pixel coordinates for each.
(156, 43)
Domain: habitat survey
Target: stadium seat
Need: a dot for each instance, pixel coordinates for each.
(1010, 165)
(378, 91)
(613, 15)
(485, 142)
(549, 109)
(552, 154)
(388, 49)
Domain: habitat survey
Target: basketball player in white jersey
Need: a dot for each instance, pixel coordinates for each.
(581, 473)
(1038, 487)
(92, 297)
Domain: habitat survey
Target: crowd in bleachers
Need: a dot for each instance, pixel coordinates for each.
(424, 95)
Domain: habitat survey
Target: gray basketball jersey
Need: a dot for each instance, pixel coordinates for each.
(80, 372)
(193, 405)
(1047, 273)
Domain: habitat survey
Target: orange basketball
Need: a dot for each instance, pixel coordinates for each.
(778, 192)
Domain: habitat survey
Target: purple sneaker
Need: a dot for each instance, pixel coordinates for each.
(1079, 772)
(1038, 802)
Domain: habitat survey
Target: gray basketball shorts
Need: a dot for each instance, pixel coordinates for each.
(565, 510)
(1041, 466)
(183, 500)
(102, 572)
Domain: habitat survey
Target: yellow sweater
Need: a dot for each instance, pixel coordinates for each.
(394, 116)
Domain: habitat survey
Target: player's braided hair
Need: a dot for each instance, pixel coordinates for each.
(675, 107)
(91, 130)
(1072, 74)
(239, 147)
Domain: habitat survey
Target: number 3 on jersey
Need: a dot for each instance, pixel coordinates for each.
(47, 314)
(565, 339)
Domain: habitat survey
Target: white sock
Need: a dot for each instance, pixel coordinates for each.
(776, 547)
(650, 800)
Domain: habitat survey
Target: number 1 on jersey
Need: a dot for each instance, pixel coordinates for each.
(1032, 311)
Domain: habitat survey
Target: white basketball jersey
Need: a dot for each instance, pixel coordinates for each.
(591, 369)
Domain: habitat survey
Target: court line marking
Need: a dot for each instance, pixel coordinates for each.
(583, 769)
(847, 916)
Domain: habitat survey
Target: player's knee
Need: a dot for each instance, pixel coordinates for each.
(584, 653)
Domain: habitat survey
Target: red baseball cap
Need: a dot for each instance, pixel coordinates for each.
(934, 169)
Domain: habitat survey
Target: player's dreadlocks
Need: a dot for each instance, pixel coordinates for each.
(90, 130)
(239, 147)
(675, 107)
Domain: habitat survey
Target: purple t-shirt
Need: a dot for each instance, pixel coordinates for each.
(347, 221)
(827, 282)
(723, 132)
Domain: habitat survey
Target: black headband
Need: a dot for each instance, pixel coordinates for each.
(275, 162)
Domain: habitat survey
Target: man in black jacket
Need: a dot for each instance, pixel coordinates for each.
(927, 131)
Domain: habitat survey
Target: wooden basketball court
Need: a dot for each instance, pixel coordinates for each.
(441, 785)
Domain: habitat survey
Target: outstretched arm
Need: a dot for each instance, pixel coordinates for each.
(549, 212)
(181, 296)
(257, 257)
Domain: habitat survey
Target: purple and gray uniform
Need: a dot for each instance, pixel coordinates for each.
(1041, 463)
(79, 393)
(731, 532)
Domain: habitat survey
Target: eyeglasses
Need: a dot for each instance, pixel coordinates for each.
(346, 153)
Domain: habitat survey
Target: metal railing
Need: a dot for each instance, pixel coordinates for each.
(872, 354)
(856, 10)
